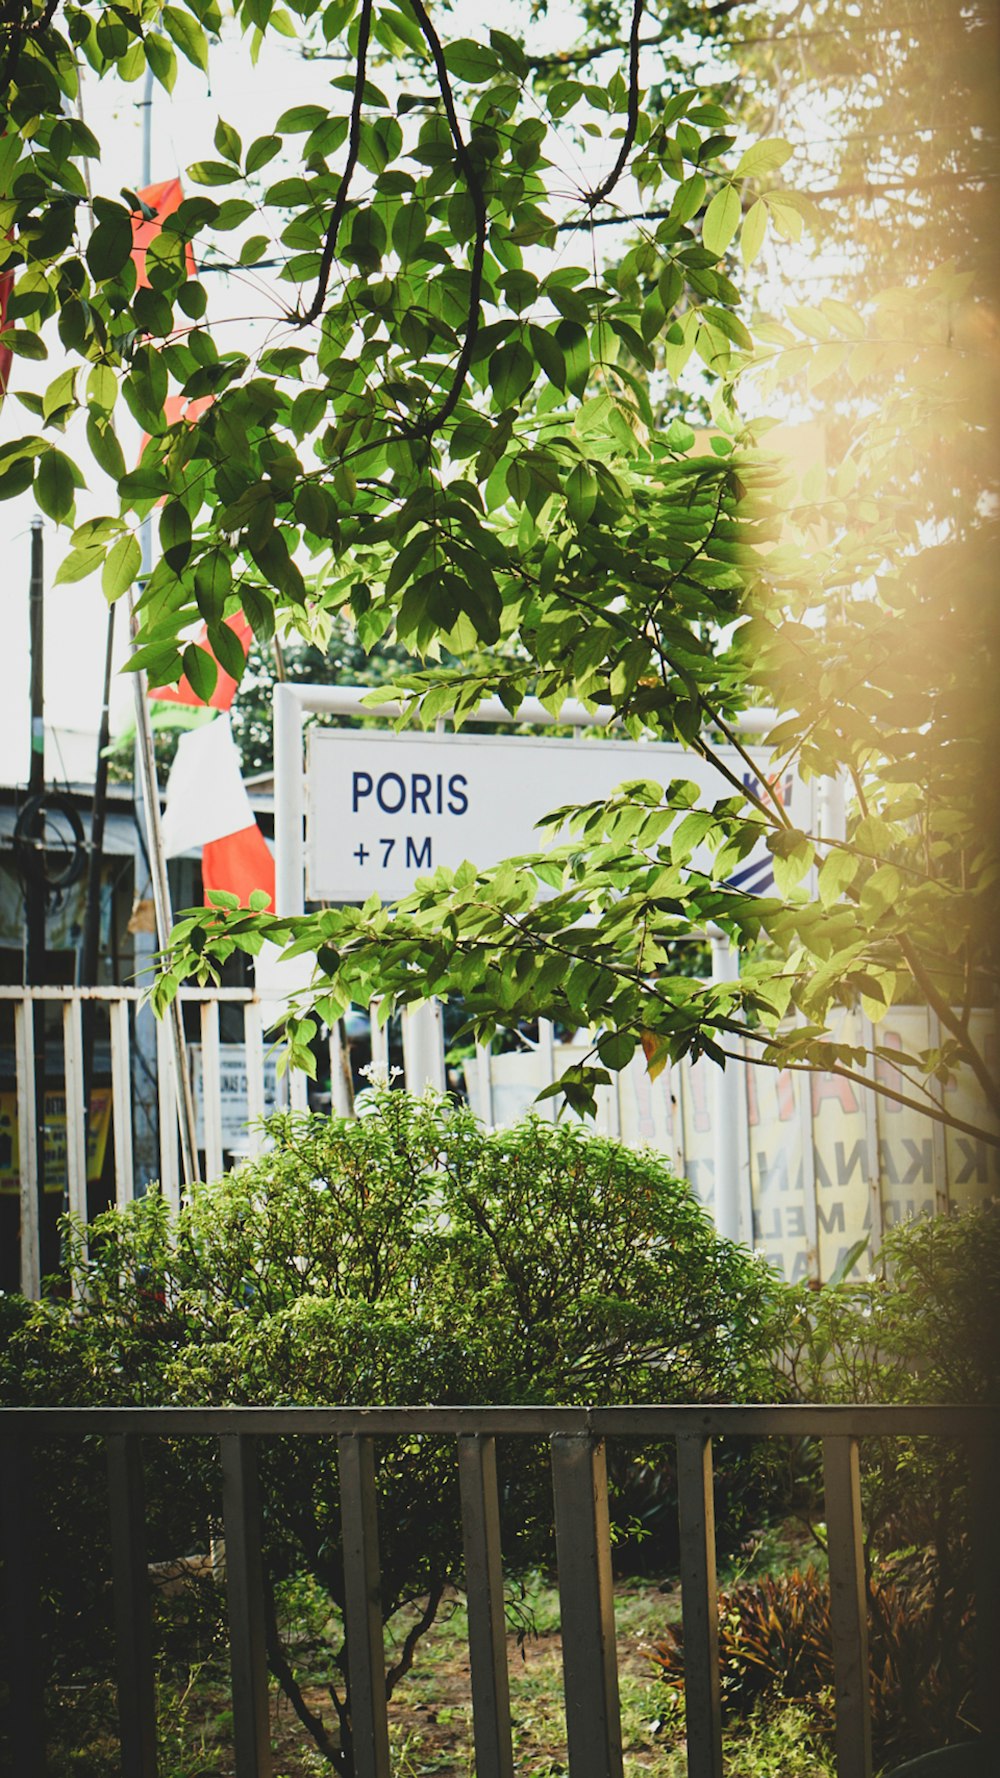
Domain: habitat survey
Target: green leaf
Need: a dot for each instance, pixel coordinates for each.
(753, 231)
(79, 563)
(16, 478)
(409, 230)
(55, 485)
(581, 493)
(512, 372)
(201, 670)
(764, 157)
(123, 563)
(110, 244)
(471, 61)
(187, 34)
(260, 152)
(574, 344)
(175, 534)
(228, 650)
(25, 344)
(227, 142)
(722, 219)
(102, 388)
(162, 60)
(688, 198)
(300, 119)
(213, 580)
(212, 173)
(617, 1048)
(550, 355)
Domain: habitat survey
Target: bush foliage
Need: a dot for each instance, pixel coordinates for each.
(406, 1256)
(775, 1647)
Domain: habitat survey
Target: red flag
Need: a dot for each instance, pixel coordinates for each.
(225, 686)
(240, 863)
(164, 198)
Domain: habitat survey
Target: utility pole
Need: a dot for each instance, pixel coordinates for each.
(34, 960)
(90, 944)
(34, 881)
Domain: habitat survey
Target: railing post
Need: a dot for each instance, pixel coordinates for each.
(586, 1606)
(245, 1592)
(29, 1159)
(477, 1472)
(133, 1646)
(848, 1607)
(121, 1101)
(699, 1606)
(362, 1607)
(22, 1606)
(985, 1539)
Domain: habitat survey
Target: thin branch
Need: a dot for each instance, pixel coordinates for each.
(278, 1662)
(937, 1114)
(632, 119)
(353, 148)
(429, 425)
(427, 1616)
(950, 1020)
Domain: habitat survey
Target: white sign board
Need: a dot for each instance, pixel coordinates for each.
(383, 809)
(234, 1099)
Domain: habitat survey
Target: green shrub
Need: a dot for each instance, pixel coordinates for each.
(404, 1257)
(923, 1328)
(775, 1647)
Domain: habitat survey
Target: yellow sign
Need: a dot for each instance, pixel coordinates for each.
(98, 1125)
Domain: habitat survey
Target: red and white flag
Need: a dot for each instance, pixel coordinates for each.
(208, 806)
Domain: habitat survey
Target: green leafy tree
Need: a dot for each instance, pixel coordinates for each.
(403, 1256)
(451, 433)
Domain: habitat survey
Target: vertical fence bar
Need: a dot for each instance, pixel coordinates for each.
(586, 1606)
(121, 1101)
(253, 1049)
(699, 1606)
(985, 1538)
(298, 1089)
(245, 1590)
(76, 1123)
(942, 1188)
(484, 1081)
(869, 1105)
(22, 1602)
(477, 1473)
(166, 1094)
(133, 1645)
(379, 1041)
(27, 1148)
(362, 1607)
(547, 1057)
(848, 1607)
(341, 1093)
(211, 1088)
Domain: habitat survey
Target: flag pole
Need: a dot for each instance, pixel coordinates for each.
(146, 763)
(145, 773)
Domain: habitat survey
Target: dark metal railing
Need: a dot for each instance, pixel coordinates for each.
(577, 1443)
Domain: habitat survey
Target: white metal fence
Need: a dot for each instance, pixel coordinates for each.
(800, 1166)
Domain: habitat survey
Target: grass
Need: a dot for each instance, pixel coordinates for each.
(430, 1715)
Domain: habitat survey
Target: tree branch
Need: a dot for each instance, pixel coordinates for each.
(420, 1628)
(632, 119)
(426, 427)
(353, 146)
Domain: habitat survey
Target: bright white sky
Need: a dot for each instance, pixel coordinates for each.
(183, 124)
